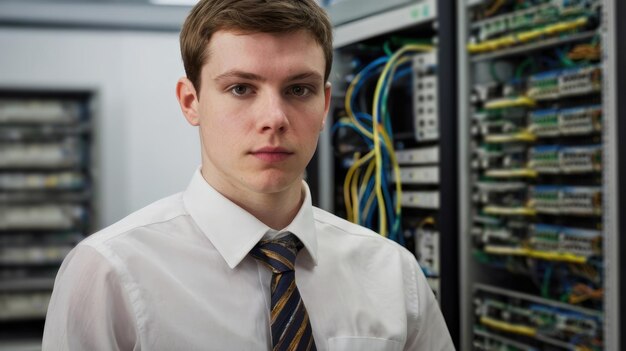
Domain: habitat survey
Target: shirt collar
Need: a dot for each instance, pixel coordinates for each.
(234, 231)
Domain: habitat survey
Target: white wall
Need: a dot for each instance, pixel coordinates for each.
(146, 150)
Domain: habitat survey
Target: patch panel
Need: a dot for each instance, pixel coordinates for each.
(24, 239)
(423, 155)
(533, 319)
(425, 95)
(571, 121)
(582, 200)
(563, 83)
(51, 217)
(40, 155)
(557, 159)
(42, 181)
(544, 85)
(579, 81)
(567, 200)
(14, 306)
(486, 341)
(419, 175)
(580, 120)
(425, 108)
(546, 199)
(545, 159)
(545, 122)
(37, 111)
(582, 242)
(581, 159)
(421, 199)
(33, 254)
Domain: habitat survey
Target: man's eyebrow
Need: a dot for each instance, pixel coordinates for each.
(241, 75)
(305, 75)
(256, 77)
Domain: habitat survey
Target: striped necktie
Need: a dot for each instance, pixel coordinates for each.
(290, 325)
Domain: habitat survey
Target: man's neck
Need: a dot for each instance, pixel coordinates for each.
(276, 210)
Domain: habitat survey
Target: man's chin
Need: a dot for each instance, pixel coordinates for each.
(275, 184)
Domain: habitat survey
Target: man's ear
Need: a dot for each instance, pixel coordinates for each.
(327, 91)
(188, 100)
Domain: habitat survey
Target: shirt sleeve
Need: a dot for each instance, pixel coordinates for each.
(427, 327)
(89, 308)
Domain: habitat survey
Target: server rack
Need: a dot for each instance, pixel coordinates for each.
(539, 175)
(46, 201)
(424, 137)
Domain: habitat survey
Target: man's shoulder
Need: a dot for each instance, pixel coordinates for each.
(334, 223)
(160, 211)
(347, 239)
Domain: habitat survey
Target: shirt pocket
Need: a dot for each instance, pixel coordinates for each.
(348, 343)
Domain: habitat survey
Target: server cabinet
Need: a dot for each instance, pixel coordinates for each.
(46, 200)
(539, 175)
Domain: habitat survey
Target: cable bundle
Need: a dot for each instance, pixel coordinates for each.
(366, 186)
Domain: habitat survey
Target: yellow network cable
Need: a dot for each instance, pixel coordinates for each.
(512, 173)
(347, 199)
(391, 64)
(510, 211)
(543, 255)
(520, 101)
(508, 327)
(370, 201)
(524, 37)
(507, 138)
(366, 179)
(347, 182)
(355, 195)
(396, 170)
(348, 107)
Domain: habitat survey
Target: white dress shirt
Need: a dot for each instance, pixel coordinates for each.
(176, 275)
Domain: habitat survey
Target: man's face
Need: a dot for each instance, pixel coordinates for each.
(261, 107)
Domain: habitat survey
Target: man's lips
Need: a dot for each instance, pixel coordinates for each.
(272, 154)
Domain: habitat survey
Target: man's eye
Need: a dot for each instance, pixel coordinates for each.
(299, 90)
(240, 90)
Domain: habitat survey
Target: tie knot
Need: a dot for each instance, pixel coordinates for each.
(279, 254)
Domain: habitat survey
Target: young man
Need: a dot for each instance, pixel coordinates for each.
(241, 260)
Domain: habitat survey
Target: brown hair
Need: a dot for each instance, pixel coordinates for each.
(254, 16)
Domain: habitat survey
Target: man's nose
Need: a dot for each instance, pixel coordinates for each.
(273, 114)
